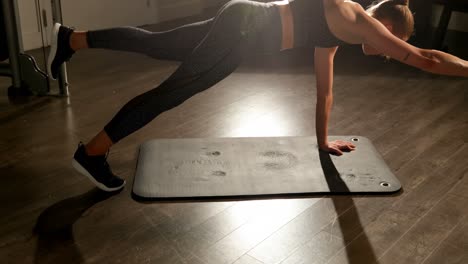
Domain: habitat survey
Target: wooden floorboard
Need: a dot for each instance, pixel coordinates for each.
(419, 122)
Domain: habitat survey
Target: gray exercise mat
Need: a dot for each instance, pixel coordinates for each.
(225, 167)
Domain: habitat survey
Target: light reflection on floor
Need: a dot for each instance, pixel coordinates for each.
(252, 125)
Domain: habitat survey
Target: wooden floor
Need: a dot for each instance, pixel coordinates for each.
(419, 122)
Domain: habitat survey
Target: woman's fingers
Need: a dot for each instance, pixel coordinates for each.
(346, 148)
(341, 142)
(337, 151)
(337, 147)
(352, 147)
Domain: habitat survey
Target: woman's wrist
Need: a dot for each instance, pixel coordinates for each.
(323, 145)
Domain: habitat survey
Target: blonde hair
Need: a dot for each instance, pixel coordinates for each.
(397, 12)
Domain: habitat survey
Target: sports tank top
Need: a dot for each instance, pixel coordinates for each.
(310, 25)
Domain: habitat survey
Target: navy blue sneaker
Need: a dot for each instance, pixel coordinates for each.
(97, 170)
(60, 50)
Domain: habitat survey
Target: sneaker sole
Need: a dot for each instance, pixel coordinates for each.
(53, 49)
(101, 186)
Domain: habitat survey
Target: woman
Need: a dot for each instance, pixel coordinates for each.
(211, 50)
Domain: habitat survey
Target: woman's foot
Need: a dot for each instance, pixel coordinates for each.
(60, 49)
(97, 170)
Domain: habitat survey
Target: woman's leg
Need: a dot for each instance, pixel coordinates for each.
(199, 72)
(232, 35)
(174, 91)
(79, 40)
(174, 44)
(230, 38)
(217, 55)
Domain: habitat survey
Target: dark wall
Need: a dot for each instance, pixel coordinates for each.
(3, 40)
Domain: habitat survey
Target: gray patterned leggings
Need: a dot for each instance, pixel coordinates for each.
(209, 51)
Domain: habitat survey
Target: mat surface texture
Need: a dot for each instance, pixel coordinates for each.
(231, 167)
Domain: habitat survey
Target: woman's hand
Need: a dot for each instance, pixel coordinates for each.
(446, 63)
(337, 147)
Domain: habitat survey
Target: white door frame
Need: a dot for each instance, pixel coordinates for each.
(35, 20)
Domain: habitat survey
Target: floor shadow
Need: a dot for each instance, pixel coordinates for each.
(336, 184)
(54, 228)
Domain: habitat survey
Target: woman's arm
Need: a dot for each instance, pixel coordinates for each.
(324, 80)
(379, 37)
(324, 76)
(446, 64)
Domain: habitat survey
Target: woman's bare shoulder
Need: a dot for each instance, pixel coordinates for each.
(344, 19)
